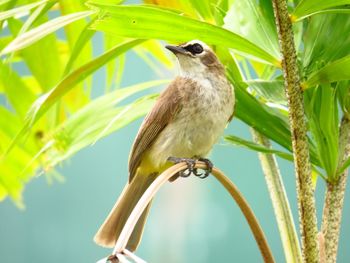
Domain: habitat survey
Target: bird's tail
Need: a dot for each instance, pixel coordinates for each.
(110, 230)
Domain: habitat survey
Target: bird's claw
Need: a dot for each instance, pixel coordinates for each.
(190, 166)
(112, 259)
(208, 170)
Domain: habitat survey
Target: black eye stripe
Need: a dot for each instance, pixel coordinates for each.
(194, 49)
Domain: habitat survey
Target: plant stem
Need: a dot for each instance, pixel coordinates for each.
(305, 192)
(225, 181)
(334, 199)
(249, 215)
(280, 202)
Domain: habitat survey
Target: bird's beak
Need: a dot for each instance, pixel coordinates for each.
(176, 49)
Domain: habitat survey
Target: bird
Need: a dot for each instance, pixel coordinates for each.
(185, 122)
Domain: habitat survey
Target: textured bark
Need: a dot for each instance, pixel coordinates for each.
(332, 212)
(305, 192)
(280, 202)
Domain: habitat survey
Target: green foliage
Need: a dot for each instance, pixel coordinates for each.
(257, 147)
(255, 22)
(147, 22)
(335, 71)
(31, 141)
(30, 37)
(307, 8)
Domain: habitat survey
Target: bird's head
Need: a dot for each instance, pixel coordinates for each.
(196, 57)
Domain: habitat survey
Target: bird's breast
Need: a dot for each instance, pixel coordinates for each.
(205, 110)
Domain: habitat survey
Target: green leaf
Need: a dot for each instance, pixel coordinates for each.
(76, 134)
(2, 2)
(203, 8)
(45, 102)
(264, 119)
(34, 56)
(82, 128)
(104, 103)
(260, 117)
(38, 13)
(254, 21)
(322, 111)
(156, 49)
(77, 33)
(113, 74)
(307, 7)
(16, 91)
(343, 89)
(22, 9)
(271, 91)
(326, 11)
(257, 147)
(148, 57)
(148, 22)
(325, 41)
(333, 72)
(345, 165)
(43, 30)
(83, 38)
(11, 178)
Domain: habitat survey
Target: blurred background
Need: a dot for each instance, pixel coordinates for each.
(191, 220)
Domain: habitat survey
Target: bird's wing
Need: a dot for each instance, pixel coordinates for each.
(162, 113)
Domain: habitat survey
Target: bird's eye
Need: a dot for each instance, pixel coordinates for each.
(195, 48)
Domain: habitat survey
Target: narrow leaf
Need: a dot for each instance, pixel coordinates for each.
(46, 101)
(271, 91)
(148, 22)
(35, 58)
(16, 91)
(335, 71)
(345, 165)
(326, 11)
(82, 40)
(2, 2)
(254, 21)
(257, 147)
(43, 30)
(19, 10)
(322, 111)
(75, 77)
(329, 29)
(307, 7)
(68, 137)
(263, 118)
(203, 8)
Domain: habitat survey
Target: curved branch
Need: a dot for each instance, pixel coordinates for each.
(120, 247)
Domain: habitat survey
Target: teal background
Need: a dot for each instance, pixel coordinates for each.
(192, 220)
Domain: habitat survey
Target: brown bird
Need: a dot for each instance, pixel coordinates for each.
(186, 121)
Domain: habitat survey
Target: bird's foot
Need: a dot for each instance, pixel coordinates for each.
(207, 171)
(190, 166)
(112, 259)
